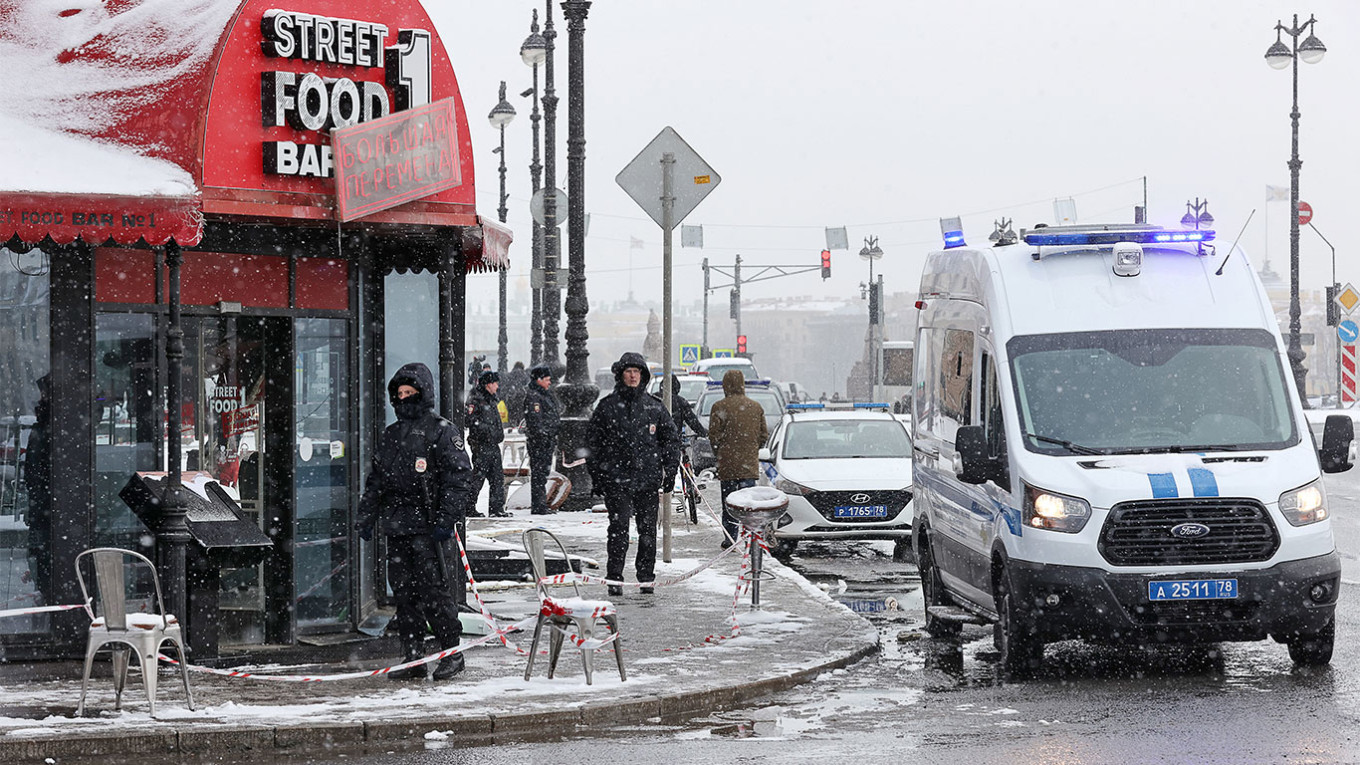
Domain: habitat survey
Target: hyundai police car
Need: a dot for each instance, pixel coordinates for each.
(847, 471)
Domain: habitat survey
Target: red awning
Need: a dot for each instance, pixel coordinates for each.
(98, 218)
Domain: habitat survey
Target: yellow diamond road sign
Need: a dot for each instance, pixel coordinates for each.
(1348, 298)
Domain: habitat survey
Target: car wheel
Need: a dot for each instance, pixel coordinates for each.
(1314, 649)
(902, 551)
(1021, 649)
(932, 592)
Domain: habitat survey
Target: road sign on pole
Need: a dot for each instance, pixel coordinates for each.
(723, 353)
(689, 355)
(1348, 331)
(668, 180)
(1305, 213)
(1348, 375)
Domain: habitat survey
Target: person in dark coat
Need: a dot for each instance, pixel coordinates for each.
(633, 445)
(514, 389)
(683, 414)
(38, 482)
(542, 419)
(485, 434)
(419, 490)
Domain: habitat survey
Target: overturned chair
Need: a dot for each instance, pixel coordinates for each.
(113, 622)
(568, 618)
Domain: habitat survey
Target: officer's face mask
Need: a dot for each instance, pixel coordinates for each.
(409, 408)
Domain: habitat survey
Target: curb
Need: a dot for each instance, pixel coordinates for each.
(478, 729)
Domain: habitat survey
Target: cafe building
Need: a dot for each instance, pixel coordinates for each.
(172, 169)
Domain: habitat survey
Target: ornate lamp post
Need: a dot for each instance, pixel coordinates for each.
(552, 248)
(1280, 56)
(579, 392)
(533, 52)
(501, 115)
(871, 252)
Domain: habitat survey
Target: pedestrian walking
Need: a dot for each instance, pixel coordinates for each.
(633, 445)
(419, 489)
(485, 434)
(542, 419)
(683, 415)
(514, 389)
(736, 429)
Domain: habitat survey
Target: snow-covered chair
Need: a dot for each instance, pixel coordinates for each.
(568, 616)
(113, 622)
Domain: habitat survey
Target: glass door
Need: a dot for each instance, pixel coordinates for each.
(321, 467)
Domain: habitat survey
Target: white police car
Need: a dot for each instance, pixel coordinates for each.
(847, 471)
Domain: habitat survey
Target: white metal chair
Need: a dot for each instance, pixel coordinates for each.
(573, 618)
(112, 622)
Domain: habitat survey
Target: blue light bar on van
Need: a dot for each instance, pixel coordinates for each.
(952, 231)
(1043, 238)
(798, 407)
(873, 405)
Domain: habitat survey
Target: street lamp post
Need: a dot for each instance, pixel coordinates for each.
(552, 248)
(579, 392)
(501, 115)
(1280, 56)
(533, 52)
(871, 252)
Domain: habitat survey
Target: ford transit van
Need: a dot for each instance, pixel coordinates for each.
(1109, 445)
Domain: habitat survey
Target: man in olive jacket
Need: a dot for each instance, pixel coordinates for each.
(419, 489)
(736, 428)
(633, 445)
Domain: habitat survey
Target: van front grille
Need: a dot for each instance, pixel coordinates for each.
(1139, 533)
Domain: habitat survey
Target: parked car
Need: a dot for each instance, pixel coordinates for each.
(847, 471)
(690, 386)
(762, 392)
(717, 367)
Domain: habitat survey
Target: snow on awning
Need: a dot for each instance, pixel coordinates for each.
(496, 241)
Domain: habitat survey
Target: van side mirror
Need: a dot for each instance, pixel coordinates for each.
(763, 455)
(971, 445)
(1337, 435)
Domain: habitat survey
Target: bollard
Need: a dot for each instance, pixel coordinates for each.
(756, 508)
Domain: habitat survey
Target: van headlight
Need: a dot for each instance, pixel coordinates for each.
(1055, 512)
(789, 487)
(1304, 505)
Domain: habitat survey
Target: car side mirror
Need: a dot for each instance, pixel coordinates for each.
(1335, 454)
(764, 455)
(974, 466)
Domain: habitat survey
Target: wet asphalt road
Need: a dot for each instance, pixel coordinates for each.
(926, 701)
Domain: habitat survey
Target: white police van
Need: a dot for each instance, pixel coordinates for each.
(1109, 446)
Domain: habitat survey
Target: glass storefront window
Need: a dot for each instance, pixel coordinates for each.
(127, 423)
(25, 437)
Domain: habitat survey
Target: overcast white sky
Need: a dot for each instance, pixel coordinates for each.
(884, 115)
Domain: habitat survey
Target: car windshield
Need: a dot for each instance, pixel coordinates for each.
(689, 388)
(717, 371)
(823, 439)
(1141, 391)
(769, 401)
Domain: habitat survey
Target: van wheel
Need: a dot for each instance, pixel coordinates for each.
(1021, 649)
(1313, 650)
(932, 592)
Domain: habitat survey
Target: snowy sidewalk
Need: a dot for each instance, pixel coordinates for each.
(679, 653)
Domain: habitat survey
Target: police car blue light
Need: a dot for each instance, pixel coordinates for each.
(1111, 235)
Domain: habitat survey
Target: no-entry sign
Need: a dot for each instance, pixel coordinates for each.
(1305, 213)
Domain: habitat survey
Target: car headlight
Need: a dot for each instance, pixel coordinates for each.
(789, 487)
(1055, 512)
(1304, 505)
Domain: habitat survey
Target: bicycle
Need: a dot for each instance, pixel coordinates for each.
(690, 488)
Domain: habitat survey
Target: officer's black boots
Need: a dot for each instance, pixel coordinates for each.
(449, 666)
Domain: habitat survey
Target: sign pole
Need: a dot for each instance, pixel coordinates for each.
(667, 213)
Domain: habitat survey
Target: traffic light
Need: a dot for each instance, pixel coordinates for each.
(733, 304)
(1333, 310)
(741, 345)
(826, 264)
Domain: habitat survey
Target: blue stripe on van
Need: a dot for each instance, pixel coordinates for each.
(1203, 482)
(1163, 485)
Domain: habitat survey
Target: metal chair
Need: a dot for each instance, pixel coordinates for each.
(573, 618)
(112, 622)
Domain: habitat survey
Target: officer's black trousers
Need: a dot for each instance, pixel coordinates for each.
(487, 466)
(540, 464)
(424, 589)
(625, 505)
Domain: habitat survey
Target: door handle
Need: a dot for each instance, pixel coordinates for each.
(929, 451)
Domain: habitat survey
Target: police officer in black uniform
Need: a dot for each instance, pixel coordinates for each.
(485, 434)
(542, 419)
(419, 488)
(633, 446)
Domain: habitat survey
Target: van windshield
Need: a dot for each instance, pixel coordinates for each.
(1144, 391)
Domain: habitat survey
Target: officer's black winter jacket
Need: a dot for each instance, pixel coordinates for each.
(419, 456)
(542, 417)
(633, 440)
(484, 419)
